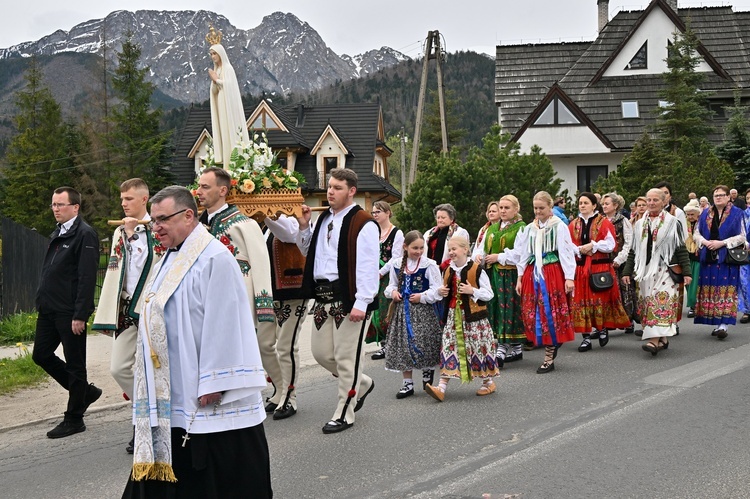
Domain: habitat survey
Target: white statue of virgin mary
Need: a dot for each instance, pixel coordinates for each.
(228, 122)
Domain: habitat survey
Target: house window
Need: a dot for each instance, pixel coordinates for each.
(264, 122)
(556, 113)
(588, 175)
(630, 109)
(282, 161)
(330, 162)
(640, 59)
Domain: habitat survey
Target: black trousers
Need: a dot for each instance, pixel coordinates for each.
(51, 330)
(225, 465)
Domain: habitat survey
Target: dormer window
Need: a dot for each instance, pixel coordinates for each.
(630, 109)
(640, 59)
(556, 113)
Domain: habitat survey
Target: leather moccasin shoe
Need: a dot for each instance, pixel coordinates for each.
(286, 412)
(336, 425)
(435, 393)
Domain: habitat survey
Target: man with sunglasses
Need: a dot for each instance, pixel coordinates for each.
(65, 300)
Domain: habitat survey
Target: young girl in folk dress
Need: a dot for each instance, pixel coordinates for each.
(469, 346)
(414, 331)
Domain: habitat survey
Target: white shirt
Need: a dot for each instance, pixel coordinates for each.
(484, 291)
(285, 229)
(65, 227)
(212, 215)
(565, 249)
(432, 274)
(326, 255)
(137, 253)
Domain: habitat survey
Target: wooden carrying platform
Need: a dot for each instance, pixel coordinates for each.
(269, 203)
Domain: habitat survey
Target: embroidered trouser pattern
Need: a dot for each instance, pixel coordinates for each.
(337, 345)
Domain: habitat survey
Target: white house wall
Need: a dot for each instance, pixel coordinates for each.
(566, 166)
(656, 28)
(562, 140)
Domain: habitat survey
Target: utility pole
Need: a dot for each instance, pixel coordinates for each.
(432, 51)
(402, 136)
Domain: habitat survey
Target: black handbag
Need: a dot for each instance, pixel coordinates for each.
(601, 281)
(675, 272)
(737, 256)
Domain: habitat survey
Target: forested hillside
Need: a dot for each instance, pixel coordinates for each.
(470, 77)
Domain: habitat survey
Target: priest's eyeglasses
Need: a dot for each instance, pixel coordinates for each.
(160, 220)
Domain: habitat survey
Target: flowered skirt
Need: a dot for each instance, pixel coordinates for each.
(545, 308)
(378, 329)
(659, 304)
(597, 309)
(415, 347)
(504, 310)
(471, 354)
(717, 294)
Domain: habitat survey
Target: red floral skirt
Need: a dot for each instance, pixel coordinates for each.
(540, 312)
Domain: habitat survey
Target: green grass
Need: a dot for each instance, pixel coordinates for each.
(19, 372)
(17, 328)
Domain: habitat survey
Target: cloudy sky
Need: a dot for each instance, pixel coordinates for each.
(354, 26)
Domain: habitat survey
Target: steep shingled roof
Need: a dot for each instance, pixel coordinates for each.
(355, 124)
(720, 30)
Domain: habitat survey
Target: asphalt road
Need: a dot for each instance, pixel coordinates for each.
(612, 422)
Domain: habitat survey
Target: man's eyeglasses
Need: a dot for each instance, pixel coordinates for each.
(720, 195)
(55, 206)
(160, 220)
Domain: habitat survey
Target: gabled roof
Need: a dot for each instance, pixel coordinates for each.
(357, 126)
(329, 132)
(525, 73)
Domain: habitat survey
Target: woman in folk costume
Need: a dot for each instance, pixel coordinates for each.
(468, 344)
(640, 210)
(612, 204)
(504, 310)
(391, 246)
(228, 124)
(595, 312)
(743, 305)
(720, 227)
(692, 214)
(414, 331)
(546, 273)
(658, 244)
(493, 216)
(436, 239)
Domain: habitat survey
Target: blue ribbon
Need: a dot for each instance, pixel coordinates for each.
(407, 319)
(540, 286)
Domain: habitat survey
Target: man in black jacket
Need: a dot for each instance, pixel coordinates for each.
(65, 300)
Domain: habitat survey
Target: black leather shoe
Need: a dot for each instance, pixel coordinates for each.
(500, 363)
(585, 346)
(287, 412)
(270, 407)
(745, 319)
(361, 400)
(603, 337)
(639, 333)
(92, 395)
(691, 313)
(130, 447)
(428, 377)
(630, 329)
(405, 391)
(545, 368)
(66, 429)
(336, 425)
(721, 334)
(380, 354)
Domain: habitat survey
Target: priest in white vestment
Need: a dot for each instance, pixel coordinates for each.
(198, 408)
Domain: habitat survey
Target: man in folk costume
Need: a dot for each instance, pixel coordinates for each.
(341, 273)
(287, 268)
(198, 408)
(134, 252)
(244, 240)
